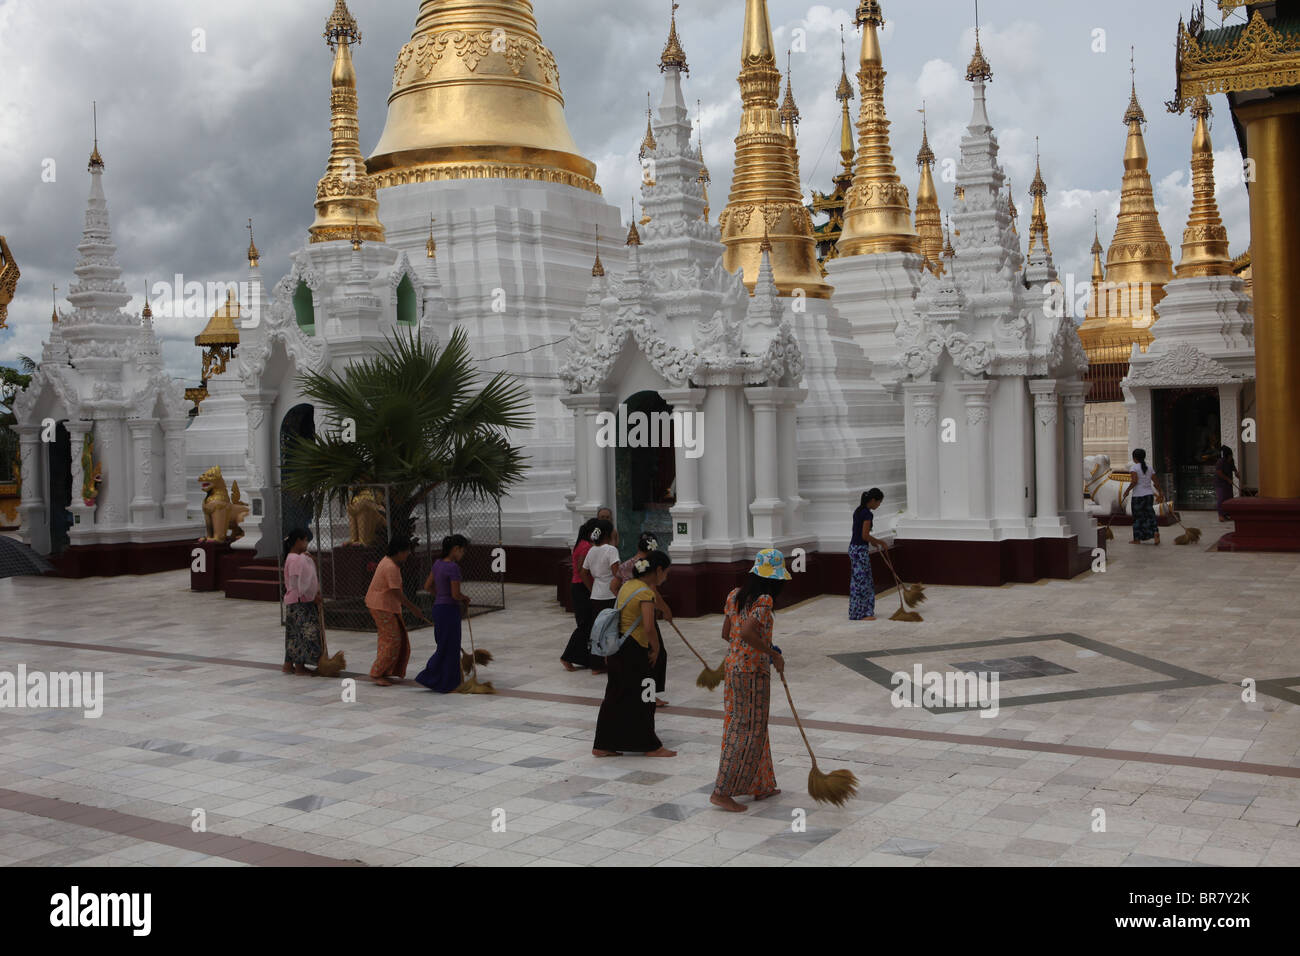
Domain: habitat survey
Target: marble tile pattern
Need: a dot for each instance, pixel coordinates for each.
(1127, 698)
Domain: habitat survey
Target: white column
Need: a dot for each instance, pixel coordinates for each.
(174, 462)
(1073, 395)
(33, 517)
(259, 467)
(83, 515)
(598, 458)
(766, 508)
(1047, 499)
(922, 423)
(978, 396)
(788, 453)
(1230, 421)
(688, 511)
(143, 510)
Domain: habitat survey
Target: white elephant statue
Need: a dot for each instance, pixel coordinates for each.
(1104, 487)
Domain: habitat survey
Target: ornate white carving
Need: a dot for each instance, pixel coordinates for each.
(1184, 366)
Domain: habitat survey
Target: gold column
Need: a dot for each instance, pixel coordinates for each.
(878, 216)
(1273, 143)
(766, 196)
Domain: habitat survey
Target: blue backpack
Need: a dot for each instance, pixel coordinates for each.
(606, 641)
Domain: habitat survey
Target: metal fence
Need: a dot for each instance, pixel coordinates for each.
(350, 536)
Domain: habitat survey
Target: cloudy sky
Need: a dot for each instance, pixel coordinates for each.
(212, 112)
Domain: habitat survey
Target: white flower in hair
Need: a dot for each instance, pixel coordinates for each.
(651, 544)
(642, 566)
(595, 534)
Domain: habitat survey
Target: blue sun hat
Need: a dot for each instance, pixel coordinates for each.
(770, 564)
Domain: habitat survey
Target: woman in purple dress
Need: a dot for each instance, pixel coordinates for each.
(1225, 469)
(442, 673)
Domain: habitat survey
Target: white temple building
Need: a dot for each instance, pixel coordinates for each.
(1190, 391)
(101, 396)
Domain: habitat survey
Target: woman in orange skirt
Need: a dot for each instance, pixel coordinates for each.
(746, 764)
(385, 599)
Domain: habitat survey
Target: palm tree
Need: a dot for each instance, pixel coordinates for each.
(419, 423)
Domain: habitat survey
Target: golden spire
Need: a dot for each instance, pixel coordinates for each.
(431, 247)
(1038, 218)
(1098, 270)
(221, 328)
(789, 111)
(597, 269)
(633, 237)
(476, 94)
(704, 178)
(345, 198)
(54, 312)
(1012, 211)
(96, 161)
(766, 244)
(948, 251)
(148, 312)
(1205, 240)
(674, 55)
(648, 145)
(766, 176)
(879, 214)
(254, 257)
(979, 68)
(928, 222)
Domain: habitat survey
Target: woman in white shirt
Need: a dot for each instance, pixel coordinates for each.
(1144, 488)
(601, 563)
(302, 601)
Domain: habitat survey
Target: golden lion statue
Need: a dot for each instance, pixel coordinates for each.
(365, 517)
(222, 511)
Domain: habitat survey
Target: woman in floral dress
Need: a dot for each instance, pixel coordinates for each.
(746, 764)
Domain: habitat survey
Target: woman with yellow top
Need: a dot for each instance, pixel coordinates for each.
(627, 715)
(746, 764)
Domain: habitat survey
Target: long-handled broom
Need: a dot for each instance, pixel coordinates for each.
(710, 677)
(903, 614)
(328, 666)
(836, 787)
(472, 684)
(1189, 535)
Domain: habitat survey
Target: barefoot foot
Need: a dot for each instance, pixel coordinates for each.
(764, 796)
(607, 753)
(726, 803)
(568, 667)
(662, 752)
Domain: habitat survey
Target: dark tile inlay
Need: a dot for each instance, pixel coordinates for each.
(1015, 668)
(534, 762)
(671, 811)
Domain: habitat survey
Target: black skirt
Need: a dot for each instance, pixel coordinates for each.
(576, 652)
(627, 722)
(661, 664)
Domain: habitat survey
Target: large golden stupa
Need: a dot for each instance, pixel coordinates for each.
(476, 95)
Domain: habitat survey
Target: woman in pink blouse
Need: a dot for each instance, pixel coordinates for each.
(302, 602)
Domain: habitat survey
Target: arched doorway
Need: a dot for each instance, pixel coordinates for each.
(1187, 439)
(60, 489)
(299, 422)
(645, 472)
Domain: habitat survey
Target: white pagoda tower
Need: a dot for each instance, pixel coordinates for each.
(101, 378)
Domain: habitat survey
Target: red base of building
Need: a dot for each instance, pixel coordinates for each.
(995, 563)
(111, 560)
(1262, 524)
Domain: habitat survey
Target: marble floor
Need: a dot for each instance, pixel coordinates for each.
(1123, 736)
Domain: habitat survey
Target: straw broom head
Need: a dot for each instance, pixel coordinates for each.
(468, 660)
(904, 615)
(914, 594)
(331, 666)
(711, 677)
(473, 685)
(836, 788)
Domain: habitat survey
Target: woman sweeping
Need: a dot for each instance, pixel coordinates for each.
(627, 714)
(601, 563)
(442, 673)
(1144, 488)
(575, 653)
(746, 764)
(646, 545)
(385, 599)
(862, 589)
(302, 603)
(1225, 470)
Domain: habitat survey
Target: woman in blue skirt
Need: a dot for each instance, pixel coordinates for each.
(1144, 488)
(442, 673)
(862, 590)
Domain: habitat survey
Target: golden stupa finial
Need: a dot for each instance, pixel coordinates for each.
(844, 92)
(673, 55)
(878, 208)
(1098, 270)
(648, 145)
(766, 244)
(925, 157)
(1038, 219)
(345, 197)
(979, 68)
(1012, 210)
(928, 223)
(789, 110)
(254, 257)
(148, 312)
(766, 171)
(431, 247)
(597, 269)
(1205, 240)
(1134, 113)
(948, 251)
(356, 234)
(54, 312)
(633, 237)
(96, 161)
(704, 178)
